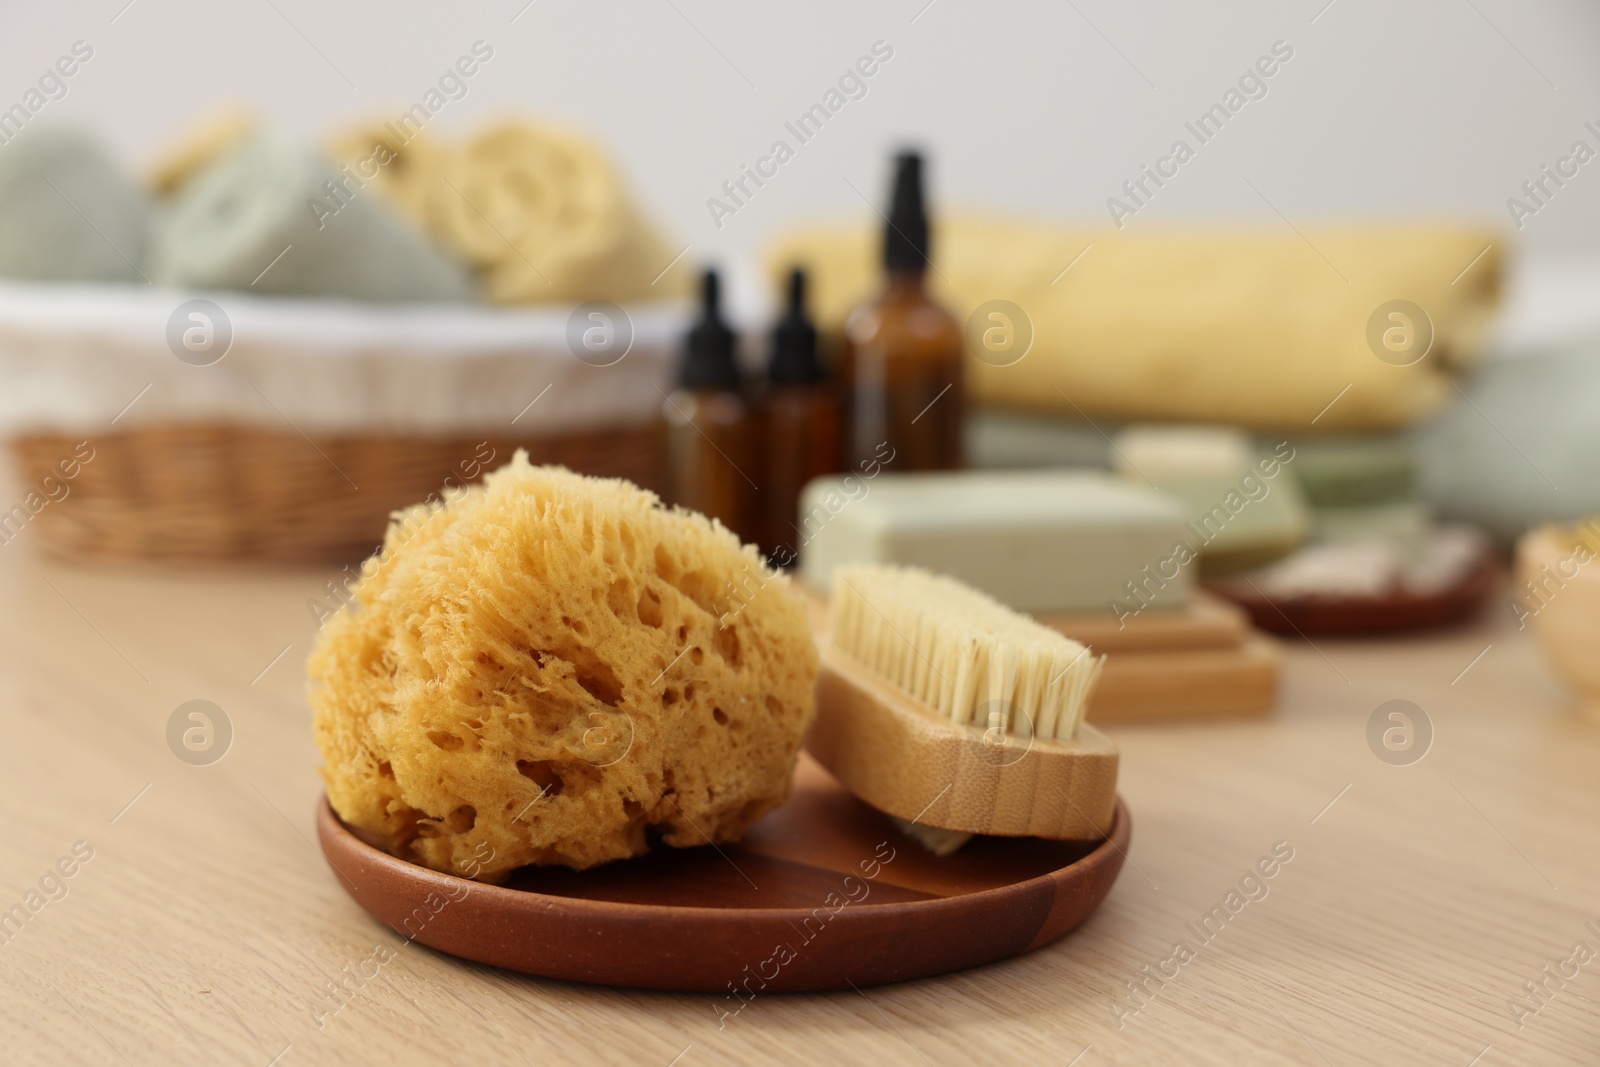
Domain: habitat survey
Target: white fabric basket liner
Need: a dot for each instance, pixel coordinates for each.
(75, 358)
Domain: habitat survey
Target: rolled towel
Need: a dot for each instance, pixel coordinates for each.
(66, 212)
(544, 216)
(405, 167)
(1264, 328)
(1523, 451)
(198, 147)
(272, 217)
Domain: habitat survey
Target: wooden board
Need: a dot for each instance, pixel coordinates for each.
(1206, 622)
(822, 894)
(1187, 684)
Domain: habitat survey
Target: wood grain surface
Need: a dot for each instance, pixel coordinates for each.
(206, 927)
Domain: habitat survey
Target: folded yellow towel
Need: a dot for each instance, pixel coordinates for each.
(544, 216)
(1262, 327)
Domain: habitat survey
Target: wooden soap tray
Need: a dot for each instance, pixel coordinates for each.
(1200, 661)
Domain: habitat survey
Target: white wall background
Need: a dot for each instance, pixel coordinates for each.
(1421, 106)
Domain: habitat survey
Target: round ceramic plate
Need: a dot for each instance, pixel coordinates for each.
(821, 894)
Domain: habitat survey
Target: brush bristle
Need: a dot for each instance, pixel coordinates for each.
(939, 842)
(965, 655)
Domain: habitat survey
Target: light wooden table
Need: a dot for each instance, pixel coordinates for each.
(1419, 900)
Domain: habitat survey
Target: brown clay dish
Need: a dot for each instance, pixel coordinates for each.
(1310, 616)
(823, 893)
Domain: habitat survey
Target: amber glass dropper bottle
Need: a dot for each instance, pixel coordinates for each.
(711, 428)
(902, 353)
(801, 414)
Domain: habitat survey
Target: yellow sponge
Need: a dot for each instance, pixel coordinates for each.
(543, 668)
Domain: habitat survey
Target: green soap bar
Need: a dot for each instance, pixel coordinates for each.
(1242, 509)
(266, 218)
(1008, 440)
(1038, 541)
(66, 212)
(1405, 525)
(1241, 512)
(1348, 471)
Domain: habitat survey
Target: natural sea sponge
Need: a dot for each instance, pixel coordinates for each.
(554, 669)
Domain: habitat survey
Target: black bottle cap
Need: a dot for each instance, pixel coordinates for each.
(794, 342)
(905, 239)
(708, 361)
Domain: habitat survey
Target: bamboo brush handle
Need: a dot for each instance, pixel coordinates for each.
(897, 756)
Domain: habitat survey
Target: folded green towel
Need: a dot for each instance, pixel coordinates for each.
(66, 212)
(273, 217)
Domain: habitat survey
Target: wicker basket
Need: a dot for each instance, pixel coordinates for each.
(228, 493)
